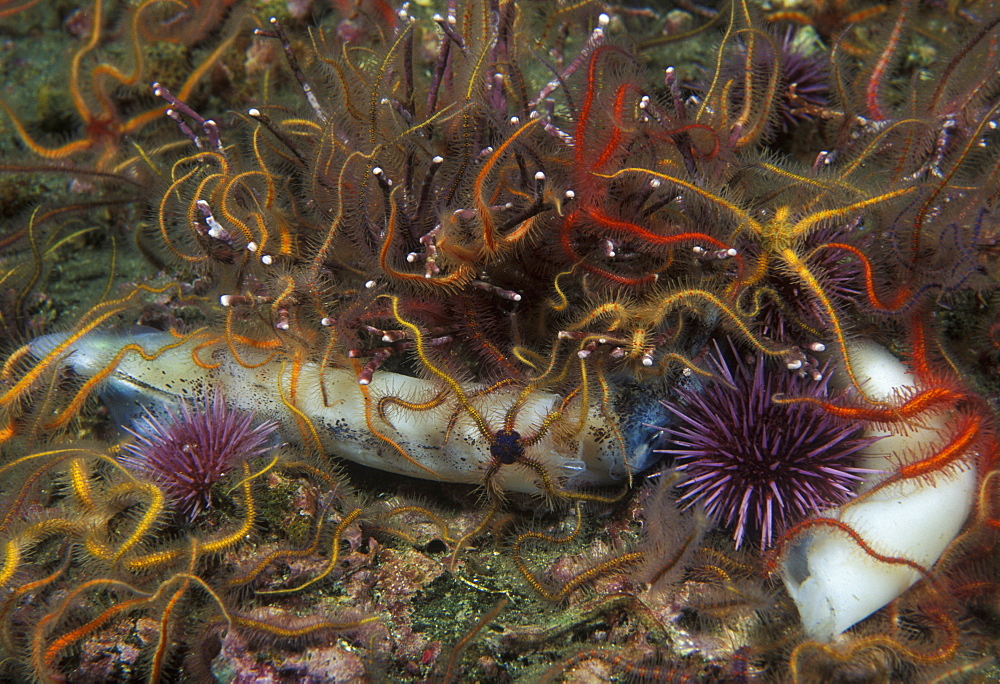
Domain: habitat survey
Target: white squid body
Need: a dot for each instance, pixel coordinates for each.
(832, 580)
(344, 425)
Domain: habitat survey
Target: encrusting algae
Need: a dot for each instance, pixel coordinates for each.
(496, 340)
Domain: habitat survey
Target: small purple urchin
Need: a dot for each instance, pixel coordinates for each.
(194, 450)
(788, 310)
(804, 66)
(757, 463)
(800, 63)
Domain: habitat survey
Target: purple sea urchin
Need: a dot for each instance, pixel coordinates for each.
(803, 69)
(805, 75)
(756, 465)
(194, 450)
(791, 314)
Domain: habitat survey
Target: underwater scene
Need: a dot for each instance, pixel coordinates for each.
(499, 341)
